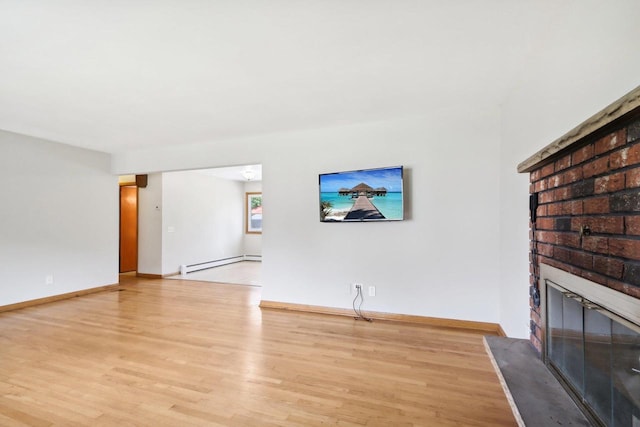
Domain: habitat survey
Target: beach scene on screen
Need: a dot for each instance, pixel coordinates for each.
(365, 195)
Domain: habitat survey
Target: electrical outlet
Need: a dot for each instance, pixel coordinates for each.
(48, 280)
(372, 291)
(354, 288)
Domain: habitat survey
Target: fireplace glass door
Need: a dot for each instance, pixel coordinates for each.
(597, 363)
(625, 366)
(597, 353)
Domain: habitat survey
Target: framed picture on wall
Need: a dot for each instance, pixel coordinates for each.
(253, 213)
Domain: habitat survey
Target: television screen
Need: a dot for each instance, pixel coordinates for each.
(362, 195)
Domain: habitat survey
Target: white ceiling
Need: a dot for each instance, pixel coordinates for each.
(115, 75)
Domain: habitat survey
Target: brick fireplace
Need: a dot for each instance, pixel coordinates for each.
(585, 188)
(585, 230)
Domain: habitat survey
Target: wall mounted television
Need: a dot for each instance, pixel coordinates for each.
(362, 195)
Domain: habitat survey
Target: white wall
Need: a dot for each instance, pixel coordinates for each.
(442, 261)
(206, 216)
(59, 217)
(253, 242)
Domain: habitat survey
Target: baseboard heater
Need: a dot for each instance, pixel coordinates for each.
(184, 269)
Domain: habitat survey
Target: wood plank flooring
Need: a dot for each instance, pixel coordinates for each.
(185, 353)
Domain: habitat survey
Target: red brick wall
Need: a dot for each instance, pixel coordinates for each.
(588, 217)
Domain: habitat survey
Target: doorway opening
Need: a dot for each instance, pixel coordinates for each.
(194, 220)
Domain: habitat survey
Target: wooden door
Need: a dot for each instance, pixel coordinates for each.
(128, 229)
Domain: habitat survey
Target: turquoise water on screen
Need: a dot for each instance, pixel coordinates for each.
(390, 205)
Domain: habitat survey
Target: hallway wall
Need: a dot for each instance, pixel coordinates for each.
(202, 219)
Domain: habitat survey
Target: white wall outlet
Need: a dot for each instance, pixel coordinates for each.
(354, 288)
(171, 229)
(48, 280)
(372, 291)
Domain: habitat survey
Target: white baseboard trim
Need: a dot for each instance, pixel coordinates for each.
(184, 269)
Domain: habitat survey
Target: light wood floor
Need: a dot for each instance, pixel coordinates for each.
(182, 353)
